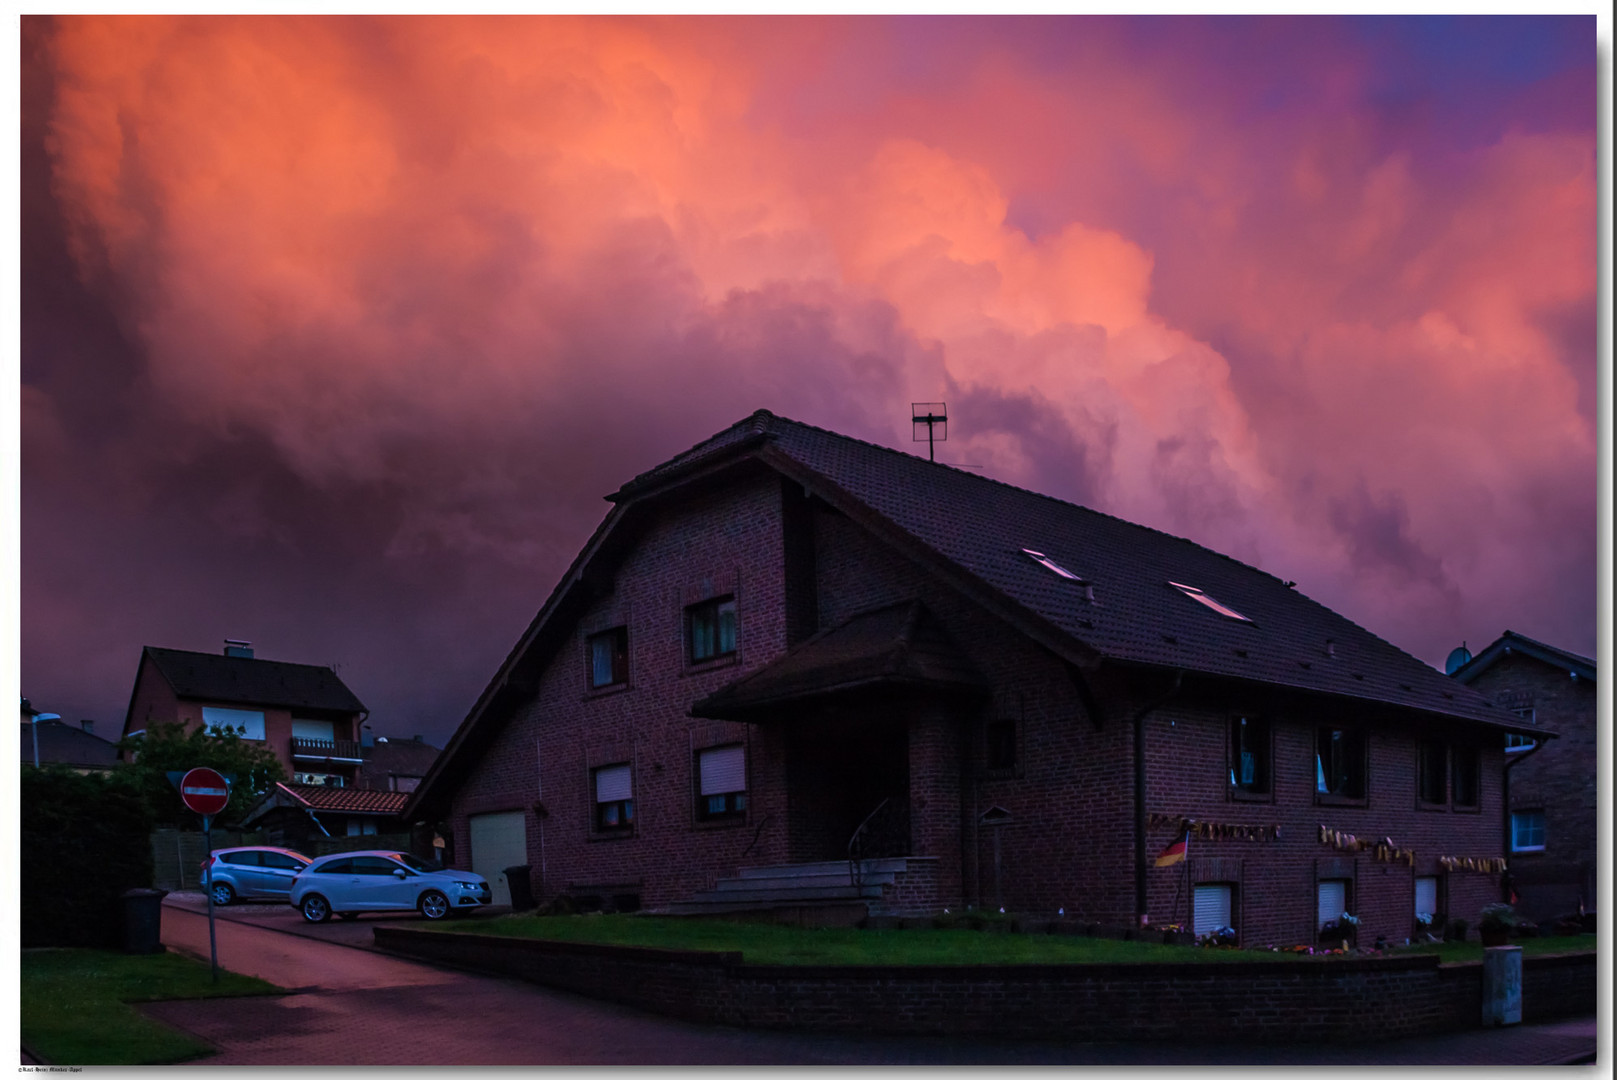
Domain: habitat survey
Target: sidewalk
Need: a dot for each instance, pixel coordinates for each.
(356, 1008)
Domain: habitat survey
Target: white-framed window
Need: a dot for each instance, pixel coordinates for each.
(614, 798)
(1425, 900)
(609, 657)
(721, 782)
(1214, 908)
(1333, 900)
(1527, 830)
(306, 728)
(1522, 742)
(319, 779)
(358, 827)
(244, 722)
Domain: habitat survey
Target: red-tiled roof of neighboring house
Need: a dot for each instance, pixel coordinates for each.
(340, 800)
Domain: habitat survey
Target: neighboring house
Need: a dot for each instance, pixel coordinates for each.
(1552, 832)
(393, 764)
(301, 712)
(291, 815)
(785, 645)
(64, 744)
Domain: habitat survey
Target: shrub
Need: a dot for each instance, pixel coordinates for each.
(1456, 930)
(1497, 917)
(85, 840)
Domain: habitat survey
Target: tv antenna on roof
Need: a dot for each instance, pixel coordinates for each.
(932, 414)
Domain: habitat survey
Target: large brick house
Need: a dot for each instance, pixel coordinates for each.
(1551, 830)
(303, 713)
(785, 646)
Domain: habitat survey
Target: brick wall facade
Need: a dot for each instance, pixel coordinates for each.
(1067, 800)
(1558, 779)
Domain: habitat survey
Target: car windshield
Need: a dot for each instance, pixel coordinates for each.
(413, 863)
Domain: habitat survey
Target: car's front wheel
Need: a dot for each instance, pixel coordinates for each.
(315, 908)
(434, 904)
(223, 894)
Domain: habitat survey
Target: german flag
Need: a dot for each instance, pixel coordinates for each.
(1174, 852)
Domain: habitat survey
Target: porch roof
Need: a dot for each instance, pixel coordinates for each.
(901, 645)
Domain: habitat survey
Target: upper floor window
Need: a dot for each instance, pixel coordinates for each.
(999, 745)
(246, 723)
(1467, 776)
(1050, 564)
(1434, 772)
(614, 798)
(1339, 763)
(711, 629)
(1522, 742)
(609, 657)
(1249, 755)
(721, 773)
(1527, 830)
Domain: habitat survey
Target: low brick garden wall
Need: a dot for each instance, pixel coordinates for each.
(1262, 1001)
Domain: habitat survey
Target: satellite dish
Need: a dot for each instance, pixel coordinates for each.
(1458, 659)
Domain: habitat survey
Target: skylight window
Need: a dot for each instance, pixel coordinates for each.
(1050, 564)
(1202, 598)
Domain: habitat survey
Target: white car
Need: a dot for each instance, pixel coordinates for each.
(354, 881)
(245, 873)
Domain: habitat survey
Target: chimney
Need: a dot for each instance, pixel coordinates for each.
(1089, 591)
(88, 726)
(241, 649)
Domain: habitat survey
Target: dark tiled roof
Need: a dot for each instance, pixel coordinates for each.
(249, 681)
(900, 645)
(399, 757)
(983, 526)
(339, 800)
(1510, 641)
(64, 744)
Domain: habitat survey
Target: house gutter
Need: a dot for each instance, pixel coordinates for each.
(1139, 792)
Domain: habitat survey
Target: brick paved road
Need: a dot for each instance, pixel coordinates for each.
(366, 1008)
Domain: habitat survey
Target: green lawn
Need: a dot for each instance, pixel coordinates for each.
(75, 1007)
(1454, 952)
(765, 944)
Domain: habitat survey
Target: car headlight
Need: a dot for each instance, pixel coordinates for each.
(469, 886)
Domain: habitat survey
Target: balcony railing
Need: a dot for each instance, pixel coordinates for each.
(326, 749)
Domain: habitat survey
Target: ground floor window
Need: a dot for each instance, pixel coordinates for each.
(1334, 919)
(357, 827)
(614, 798)
(721, 782)
(1527, 830)
(1214, 909)
(1426, 902)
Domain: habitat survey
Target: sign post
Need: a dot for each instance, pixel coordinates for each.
(207, 793)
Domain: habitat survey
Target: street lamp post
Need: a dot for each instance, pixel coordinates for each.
(35, 725)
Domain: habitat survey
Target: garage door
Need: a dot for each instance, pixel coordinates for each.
(498, 841)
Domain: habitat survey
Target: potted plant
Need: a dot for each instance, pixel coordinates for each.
(1338, 930)
(1495, 924)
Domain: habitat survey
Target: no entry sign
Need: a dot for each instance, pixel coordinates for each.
(204, 791)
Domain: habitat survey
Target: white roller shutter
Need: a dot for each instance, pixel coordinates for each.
(1426, 896)
(1332, 901)
(724, 770)
(612, 784)
(1213, 908)
(498, 841)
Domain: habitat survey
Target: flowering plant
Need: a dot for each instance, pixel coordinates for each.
(1423, 918)
(1348, 920)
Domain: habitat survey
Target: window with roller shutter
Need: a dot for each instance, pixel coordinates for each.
(1214, 908)
(614, 799)
(721, 779)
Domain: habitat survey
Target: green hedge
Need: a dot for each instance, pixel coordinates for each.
(85, 840)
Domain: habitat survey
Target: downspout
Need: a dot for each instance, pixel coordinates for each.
(1139, 793)
(1511, 762)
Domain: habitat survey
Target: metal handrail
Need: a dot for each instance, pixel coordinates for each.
(855, 874)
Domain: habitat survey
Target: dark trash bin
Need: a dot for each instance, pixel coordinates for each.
(143, 920)
(517, 880)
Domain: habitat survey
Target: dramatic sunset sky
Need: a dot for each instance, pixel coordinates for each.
(336, 330)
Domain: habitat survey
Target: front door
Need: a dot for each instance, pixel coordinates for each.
(842, 767)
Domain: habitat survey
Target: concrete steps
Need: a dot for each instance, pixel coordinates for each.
(757, 888)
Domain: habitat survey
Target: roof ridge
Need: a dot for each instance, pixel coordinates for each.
(758, 418)
(982, 478)
(1552, 648)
